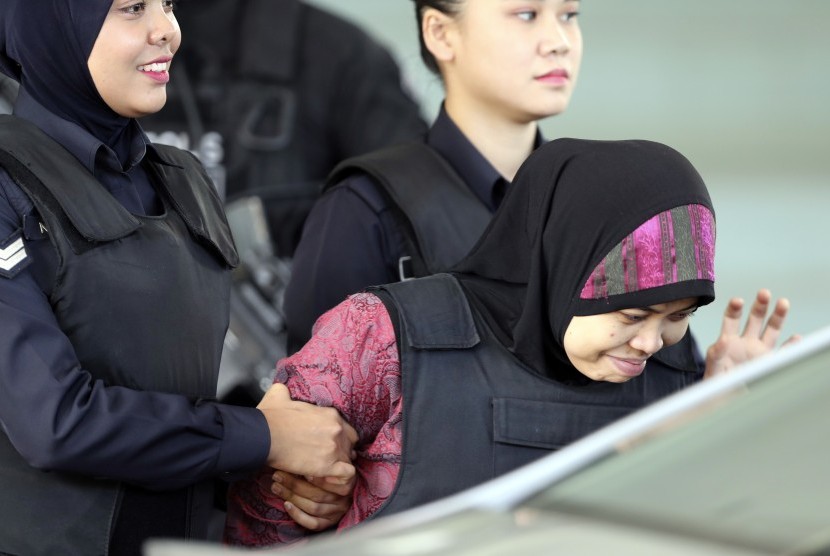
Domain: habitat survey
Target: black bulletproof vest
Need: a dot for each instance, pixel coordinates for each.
(472, 411)
(119, 277)
(440, 217)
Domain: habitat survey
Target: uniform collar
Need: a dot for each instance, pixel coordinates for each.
(91, 152)
(480, 176)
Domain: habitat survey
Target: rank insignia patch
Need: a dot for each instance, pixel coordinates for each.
(13, 256)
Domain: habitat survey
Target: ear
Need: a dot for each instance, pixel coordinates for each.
(438, 29)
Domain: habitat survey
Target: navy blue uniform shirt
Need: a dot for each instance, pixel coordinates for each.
(217, 438)
(352, 240)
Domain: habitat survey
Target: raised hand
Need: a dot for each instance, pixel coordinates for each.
(760, 335)
(306, 439)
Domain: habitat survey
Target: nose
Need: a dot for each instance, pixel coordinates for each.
(163, 26)
(648, 339)
(555, 40)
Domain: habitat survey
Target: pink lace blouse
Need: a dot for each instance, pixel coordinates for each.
(350, 363)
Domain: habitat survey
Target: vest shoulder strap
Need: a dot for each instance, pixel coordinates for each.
(49, 173)
(433, 313)
(195, 198)
(443, 217)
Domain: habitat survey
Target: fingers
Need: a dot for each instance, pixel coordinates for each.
(308, 521)
(277, 394)
(305, 520)
(759, 336)
(309, 505)
(342, 471)
(315, 489)
(776, 322)
(732, 317)
(757, 325)
(336, 485)
(307, 439)
(757, 314)
(352, 436)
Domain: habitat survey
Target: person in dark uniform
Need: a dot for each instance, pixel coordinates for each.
(595, 262)
(115, 260)
(272, 95)
(504, 68)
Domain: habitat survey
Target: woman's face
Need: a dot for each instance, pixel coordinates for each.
(520, 58)
(614, 347)
(130, 60)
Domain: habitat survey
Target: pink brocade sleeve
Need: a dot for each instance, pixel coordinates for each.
(350, 363)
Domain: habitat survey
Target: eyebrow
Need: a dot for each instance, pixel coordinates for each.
(694, 305)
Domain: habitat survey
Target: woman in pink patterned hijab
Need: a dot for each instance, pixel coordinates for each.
(596, 228)
(591, 268)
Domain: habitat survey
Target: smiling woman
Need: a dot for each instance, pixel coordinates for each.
(616, 346)
(130, 59)
(115, 263)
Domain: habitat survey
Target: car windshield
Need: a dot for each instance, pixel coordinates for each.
(750, 473)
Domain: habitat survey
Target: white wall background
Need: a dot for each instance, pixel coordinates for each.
(741, 87)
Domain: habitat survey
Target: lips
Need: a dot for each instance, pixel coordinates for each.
(157, 65)
(557, 78)
(557, 73)
(630, 367)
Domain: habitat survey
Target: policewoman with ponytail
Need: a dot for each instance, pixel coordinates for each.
(417, 208)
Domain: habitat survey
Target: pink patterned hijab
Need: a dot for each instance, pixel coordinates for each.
(672, 247)
(590, 227)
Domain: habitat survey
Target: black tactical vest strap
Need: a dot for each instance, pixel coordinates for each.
(446, 304)
(440, 216)
(22, 150)
(89, 217)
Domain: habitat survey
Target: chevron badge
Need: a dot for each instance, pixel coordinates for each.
(12, 257)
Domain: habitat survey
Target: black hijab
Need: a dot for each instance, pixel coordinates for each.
(45, 45)
(572, 203)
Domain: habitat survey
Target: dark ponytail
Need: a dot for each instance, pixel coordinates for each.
(449, 7)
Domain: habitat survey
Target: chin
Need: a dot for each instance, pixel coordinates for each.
(146, 110)
(553, 109)
(618, 379)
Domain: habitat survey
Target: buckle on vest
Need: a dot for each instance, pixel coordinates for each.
(405, 271)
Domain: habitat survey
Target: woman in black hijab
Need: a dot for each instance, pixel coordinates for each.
(115, 262)
(584, 201)
(593, 265)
